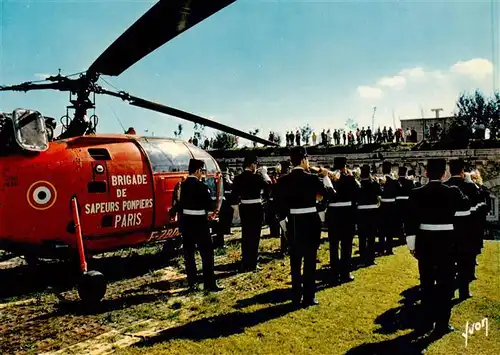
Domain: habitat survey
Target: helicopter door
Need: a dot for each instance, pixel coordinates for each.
(127, 204)
(169, 161)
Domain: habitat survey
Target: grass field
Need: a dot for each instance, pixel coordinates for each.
(367, 316)
(147, 311)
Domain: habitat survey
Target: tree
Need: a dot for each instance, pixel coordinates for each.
(305, 133)
(495, 115)
(199, 132)
(254, 133)
(224, 140)
(178, 132)
(473, 109)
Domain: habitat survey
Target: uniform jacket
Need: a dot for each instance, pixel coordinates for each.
(248, 186)
(434, 204)
(347, 189)
(369, 193)
(299, 189)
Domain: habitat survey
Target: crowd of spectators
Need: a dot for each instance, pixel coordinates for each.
(358, 136)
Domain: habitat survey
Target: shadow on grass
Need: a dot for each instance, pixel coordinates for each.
(276, 296)
(408, 315)
(409, 344)
(220, 325)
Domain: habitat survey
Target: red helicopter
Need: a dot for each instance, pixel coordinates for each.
(82, 193)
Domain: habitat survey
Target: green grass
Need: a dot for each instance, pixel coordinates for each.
(252, 315)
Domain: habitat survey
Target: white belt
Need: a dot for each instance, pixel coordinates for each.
(250, 202)
(387, 200)
(271, 199)
(214, 197)
(367, 207)
(462, 213)
(402, 197)
(194, 212)
(340, 204)
(436, 227)
(303, 210)
(228, 191)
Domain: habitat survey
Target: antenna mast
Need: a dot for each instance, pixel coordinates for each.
(373, 117)
(437, 110)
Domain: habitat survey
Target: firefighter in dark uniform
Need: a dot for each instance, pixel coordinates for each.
(246, 190)
(406, 185)
(226, 212)
(465, 257)
(194, 204)
(388, 211)
(296, 202)
(430, 238)
(341, 220)
(367, 215)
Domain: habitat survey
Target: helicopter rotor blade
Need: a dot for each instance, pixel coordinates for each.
(161, 23)
(29, 86)
(137, 101)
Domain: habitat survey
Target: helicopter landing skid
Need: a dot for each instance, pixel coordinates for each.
(92, 284)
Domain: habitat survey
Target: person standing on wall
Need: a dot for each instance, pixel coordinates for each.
(431, 239)
(193, 206)
(246, 191)
(296, 196)
(341, 220)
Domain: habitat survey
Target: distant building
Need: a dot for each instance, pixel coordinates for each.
(421, 125)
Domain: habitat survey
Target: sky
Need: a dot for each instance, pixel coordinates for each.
(271, 65)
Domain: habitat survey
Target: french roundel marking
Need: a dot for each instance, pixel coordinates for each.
(41, 195)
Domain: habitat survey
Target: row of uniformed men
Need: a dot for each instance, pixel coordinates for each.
(443, 223)
(433, 219)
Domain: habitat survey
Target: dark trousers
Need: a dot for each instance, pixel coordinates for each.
(251, 227)
(465, 259)
(388, 226)
(367, 230)
(272, 220)
(195, 233)
(304, 232)
(224, 226)
(436, 266)
(341, 222)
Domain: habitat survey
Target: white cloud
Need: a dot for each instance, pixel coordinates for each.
(394, 82)
(413, 72)
(370, 92)
(409, 91)
(476, 69)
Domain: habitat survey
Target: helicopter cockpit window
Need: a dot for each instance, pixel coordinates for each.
(167, 156)
(29, 130)
(210, 164)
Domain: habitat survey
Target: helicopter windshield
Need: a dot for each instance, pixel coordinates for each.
(29, 130)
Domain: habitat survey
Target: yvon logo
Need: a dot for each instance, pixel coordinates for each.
(477, 326)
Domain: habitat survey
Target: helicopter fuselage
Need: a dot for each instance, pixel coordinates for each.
(124, 186)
